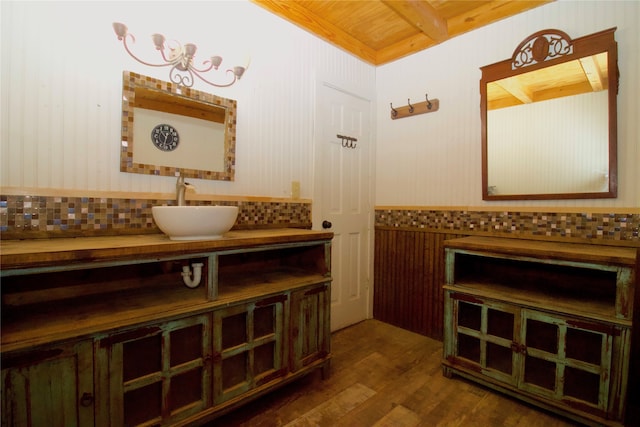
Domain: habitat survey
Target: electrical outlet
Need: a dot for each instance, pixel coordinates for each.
(295, 189)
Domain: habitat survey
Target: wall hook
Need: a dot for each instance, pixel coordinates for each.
(412, 110)
(347, 141)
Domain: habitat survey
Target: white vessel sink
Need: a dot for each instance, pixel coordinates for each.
(194, 222)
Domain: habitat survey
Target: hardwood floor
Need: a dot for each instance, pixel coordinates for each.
(386, 376)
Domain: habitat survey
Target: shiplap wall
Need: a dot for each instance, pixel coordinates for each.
(61, 91)
(434, 159)
(61, 75)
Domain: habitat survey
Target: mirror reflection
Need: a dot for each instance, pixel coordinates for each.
(562, 145)
(549, 128)
(168, 130)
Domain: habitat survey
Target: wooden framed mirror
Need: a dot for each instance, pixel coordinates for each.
(169, 129)
(549, 119)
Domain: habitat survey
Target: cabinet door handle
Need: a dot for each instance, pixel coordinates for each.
(86, 399)
(519, 348)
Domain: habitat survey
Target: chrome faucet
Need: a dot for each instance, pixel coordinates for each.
(181, 188)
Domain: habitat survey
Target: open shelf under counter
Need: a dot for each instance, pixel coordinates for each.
(61, 289)
(576, 305)
(577, 278)
(36, 324)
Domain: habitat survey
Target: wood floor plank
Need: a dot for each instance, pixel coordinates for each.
(400, 374)
(399, 417)
(329, 412)
(395, 390)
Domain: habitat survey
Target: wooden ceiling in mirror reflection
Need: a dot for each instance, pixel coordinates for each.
(156, 100)
(381, 31)
(589, 74)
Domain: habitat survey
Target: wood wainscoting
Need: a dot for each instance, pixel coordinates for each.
(408, 278)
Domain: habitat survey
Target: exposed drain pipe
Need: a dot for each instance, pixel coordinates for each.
(197, 275)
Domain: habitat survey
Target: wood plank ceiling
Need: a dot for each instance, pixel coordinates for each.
(381, 31)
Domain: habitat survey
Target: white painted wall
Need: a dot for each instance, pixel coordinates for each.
(61, 91)
(434, 159)
(61, 68)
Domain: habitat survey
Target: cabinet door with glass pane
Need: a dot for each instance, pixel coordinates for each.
(248, 346)
(156, 374)
(484, 337)
(567, 359)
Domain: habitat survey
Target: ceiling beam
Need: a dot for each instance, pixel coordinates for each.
(489, 12)
(592, 72)
(516, 89)
(421, 15)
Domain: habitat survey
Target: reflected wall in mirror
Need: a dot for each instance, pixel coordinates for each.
(549, 119)
(169, 129)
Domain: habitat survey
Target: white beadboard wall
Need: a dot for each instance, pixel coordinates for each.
(61, 91)
(434, 159)
(61, 70)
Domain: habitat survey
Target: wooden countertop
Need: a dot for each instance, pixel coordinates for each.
(547, 250)
(16, 254)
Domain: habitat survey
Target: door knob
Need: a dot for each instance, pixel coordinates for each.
(86, 399)
(326, 224)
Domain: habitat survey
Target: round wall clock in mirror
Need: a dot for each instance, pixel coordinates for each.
(165, 137)
(206, 123)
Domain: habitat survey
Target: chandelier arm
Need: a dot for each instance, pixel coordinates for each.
(164, 57)
(215, 84)
(204, 70)
(126, 47)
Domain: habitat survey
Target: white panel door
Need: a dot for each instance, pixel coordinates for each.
(343, 199)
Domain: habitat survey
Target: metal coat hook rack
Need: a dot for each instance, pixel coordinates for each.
(348, 141)
(427, 106)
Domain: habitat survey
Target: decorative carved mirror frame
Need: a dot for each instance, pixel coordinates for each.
(545, 49)
(150, 93)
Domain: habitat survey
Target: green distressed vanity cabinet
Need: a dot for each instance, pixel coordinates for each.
(549, 323)
(103, 331)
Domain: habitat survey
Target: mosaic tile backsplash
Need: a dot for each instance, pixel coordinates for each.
(603, 226)
(24, 217)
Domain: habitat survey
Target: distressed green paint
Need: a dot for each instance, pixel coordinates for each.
(249, 376)
(604, 366)
(48, 392)
(83, 382)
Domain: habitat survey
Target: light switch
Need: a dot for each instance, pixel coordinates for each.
(295, 189)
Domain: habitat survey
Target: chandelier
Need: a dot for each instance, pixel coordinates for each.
(180, 59)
